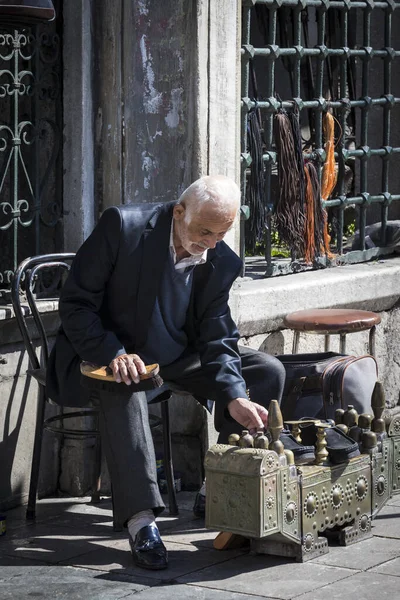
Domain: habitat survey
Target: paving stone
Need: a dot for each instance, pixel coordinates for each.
(368, 586)
(116, 558)
(189, 592)
(185, 500)
(266, 576)
(391, 567)
(49, 543)
(52, 582)
(191, 532)
(387, 522)
(361, 556)
(96, 523)
(395, 501)
(9, 565)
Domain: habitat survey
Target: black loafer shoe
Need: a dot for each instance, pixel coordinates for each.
(148, 551)
(303, 455)
(341, 448)
(199, 507)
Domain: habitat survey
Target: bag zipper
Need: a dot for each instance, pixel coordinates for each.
(327, 393)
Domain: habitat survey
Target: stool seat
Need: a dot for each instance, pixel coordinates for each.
(331, 320)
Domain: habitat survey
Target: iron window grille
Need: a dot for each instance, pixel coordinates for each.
(30, 146)
(348, 54)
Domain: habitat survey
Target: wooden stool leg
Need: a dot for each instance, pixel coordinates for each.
(372, 340)
(327, 342)
(296, 338)
(342, 348)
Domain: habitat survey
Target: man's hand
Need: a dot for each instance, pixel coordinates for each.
(127, 368)
(247, 413)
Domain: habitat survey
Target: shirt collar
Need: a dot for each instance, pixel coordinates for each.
(189, 261)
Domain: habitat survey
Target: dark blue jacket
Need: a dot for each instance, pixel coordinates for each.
(108, 299)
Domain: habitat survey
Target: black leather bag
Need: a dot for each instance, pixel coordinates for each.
(317, 384)
(26, 12)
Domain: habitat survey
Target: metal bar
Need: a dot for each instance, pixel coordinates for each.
(270, 87)
(16, 149)
(342, 343)
(342, 105)
(296, 339)
(318, 3)
(364, 127)
(327, 343)
(387, 80)
(36, 183)
(378, 199)
(383, 152)
(246, 22)
(371, 341)
(352, 52)
(272, 106)
(343, 93)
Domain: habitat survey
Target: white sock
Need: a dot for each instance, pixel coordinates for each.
(141, 519)
(203, 489)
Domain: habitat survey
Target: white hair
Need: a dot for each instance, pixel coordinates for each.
(219, 190)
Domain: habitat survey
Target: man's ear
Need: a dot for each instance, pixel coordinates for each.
(179, 212)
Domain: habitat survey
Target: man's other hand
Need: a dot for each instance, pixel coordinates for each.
(127, 368)
(247, 413)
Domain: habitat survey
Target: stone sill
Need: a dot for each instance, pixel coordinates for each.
(44, 306)
(259, 305)
(9, 330)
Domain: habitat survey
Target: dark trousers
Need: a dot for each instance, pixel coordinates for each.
(126, 435)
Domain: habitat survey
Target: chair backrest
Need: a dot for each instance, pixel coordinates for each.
(27, 274)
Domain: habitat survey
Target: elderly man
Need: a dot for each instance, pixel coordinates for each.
(151, 285)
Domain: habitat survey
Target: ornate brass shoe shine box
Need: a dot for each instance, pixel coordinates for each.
(293, 510)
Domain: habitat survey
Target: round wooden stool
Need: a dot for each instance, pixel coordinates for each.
(332, 321)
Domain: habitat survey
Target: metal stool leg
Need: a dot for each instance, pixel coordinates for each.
(37, 449)
(168, 467)
(327, 343)
(296, 338)
(342, 346)
(372, 332)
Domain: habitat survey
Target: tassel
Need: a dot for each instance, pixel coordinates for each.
(319, 212)
(309, 233)
(295, 124)
(329, 172)
(255, 188)
(328, 181)
(289, 212)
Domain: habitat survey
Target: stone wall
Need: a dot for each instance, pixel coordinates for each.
(18, 397)
(259, 306)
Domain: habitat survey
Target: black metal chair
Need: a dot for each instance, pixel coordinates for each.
(24, 281)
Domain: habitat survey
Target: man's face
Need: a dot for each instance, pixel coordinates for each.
(198, 231)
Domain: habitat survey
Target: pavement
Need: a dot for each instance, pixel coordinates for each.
(71, 552)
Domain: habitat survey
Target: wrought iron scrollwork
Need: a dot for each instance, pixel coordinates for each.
(30, 148)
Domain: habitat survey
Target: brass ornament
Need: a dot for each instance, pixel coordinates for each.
(337, 496)
(311, 504)
(308, 542)
(380, 485)
(287, 509)
(290, 512)
(361, 487)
